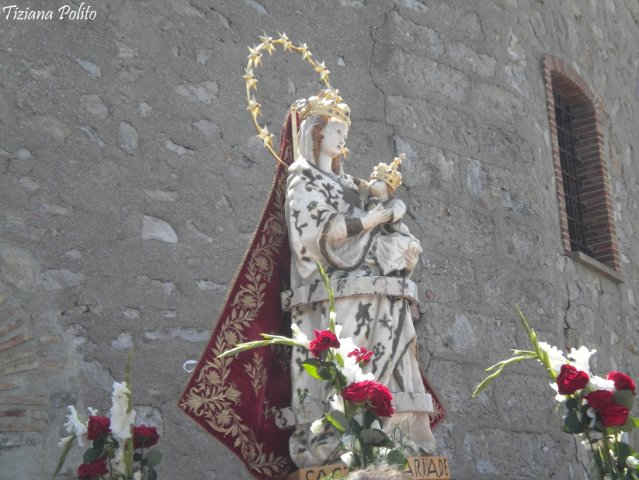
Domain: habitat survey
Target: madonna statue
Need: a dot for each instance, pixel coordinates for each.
(327, 220)
(258, 403)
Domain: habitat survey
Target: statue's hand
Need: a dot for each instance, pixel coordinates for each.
(399, 209)
(377, 216)
(411, 255)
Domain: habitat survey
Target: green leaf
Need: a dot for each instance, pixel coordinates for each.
(317, 369)
(92, 454)
(331, 295)
(153, 457)
(498, 367)
(340, 359)
(338, 420)
(152, 474)
(623, 452)
(242, 347)
(355, 427)
(375, 438)
(572, 424)
(523, 352)
(395, 457)
(631, 424)
(572, 403)
(624, 397)
(100, 441)
(369, 418)
(63, 456)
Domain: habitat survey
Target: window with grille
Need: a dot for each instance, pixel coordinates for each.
(583, 191)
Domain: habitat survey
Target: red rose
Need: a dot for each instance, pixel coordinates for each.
(599, 399)
(93, 469)
(357, 392)
(570, 380)
(144, 436)
(614, 415)
(382, 401)
(622, 381)
(98, 426)
(377, 397)
(362, 355)
(323, 341)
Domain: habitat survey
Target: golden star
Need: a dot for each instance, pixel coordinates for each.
(306, 54)
(323, 71)
(286, 43)
(251, 81)
(255, 57)
(265, 136)
(267, 43)
(254, 107)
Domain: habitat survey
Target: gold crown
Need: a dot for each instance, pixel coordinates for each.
(389, 173)
(327, 102)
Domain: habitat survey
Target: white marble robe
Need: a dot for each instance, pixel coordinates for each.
(376, 317)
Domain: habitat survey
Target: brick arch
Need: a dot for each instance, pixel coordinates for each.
(596, 234)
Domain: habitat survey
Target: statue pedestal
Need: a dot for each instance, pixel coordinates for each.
(420, 468)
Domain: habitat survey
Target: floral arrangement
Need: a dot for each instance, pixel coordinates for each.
(596, 409)
(356, 402)
(118, 448)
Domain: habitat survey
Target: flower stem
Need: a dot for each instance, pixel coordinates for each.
(596, 455)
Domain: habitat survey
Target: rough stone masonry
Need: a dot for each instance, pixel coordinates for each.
(132, 178)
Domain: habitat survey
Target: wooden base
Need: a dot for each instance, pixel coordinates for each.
(420, 468)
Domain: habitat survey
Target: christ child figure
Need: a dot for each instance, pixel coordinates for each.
(396, 250)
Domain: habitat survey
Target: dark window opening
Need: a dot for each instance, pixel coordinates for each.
(570, 172)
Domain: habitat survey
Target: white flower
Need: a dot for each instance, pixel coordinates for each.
(338, 331)
(64, 440)
(559, 397)
(581, 358)
(351, 370)
(632, 462)
(75, 426)
(555, 356)
(118, 459)
(317, 426)
(337, 403)
(347, 458)
(298, 336)
(353, 373)
(593, 416)
(137, 475)
(121, 420)
(598, 383)
(383, 451)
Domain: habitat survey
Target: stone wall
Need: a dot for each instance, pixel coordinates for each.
(132, 180)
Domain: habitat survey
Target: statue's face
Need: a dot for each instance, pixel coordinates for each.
(334, 133)
(380, 190)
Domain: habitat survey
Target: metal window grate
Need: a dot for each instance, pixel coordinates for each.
(569, 169)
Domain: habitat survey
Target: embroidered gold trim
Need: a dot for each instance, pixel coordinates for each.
(256, 372)
(213, 398)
